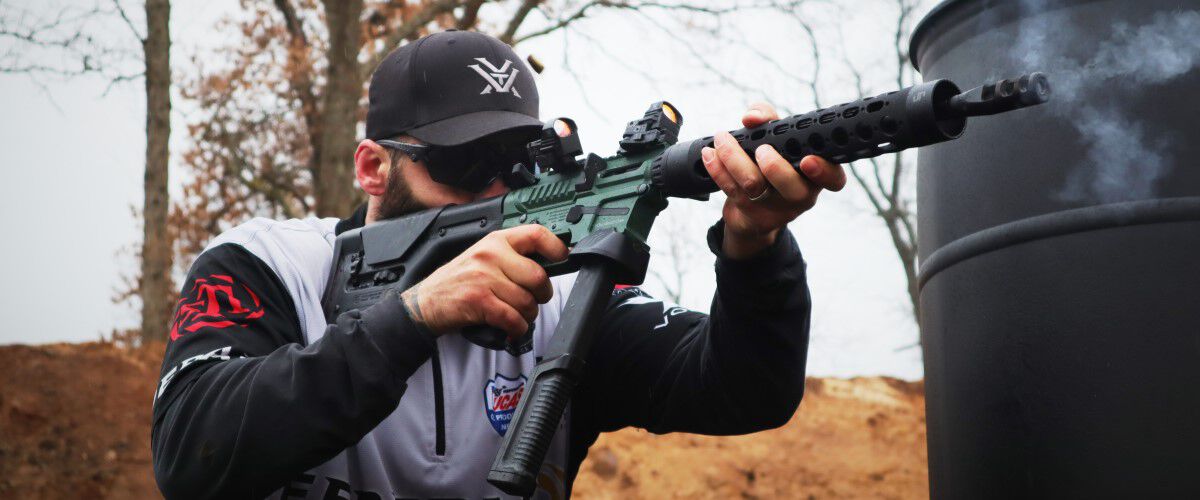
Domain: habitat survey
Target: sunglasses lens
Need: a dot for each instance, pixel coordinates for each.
(474, 166)
(465, 167)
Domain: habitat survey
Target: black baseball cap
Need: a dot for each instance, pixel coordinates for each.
(451, 88)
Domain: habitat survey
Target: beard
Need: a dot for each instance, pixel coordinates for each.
(397, 199)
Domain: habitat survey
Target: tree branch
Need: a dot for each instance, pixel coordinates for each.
(599, 46)
(470, 14)
(31, 37)
(406, 30)
(121, 79)
(703, 59)
(581, 13)
(125, 17)
(875, 202)
(902, 66)
(570, 70)
(68, 34)
(517, 19)
(561, 23)
(301, 79)
(292, 22)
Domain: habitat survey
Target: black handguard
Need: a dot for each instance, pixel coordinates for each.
(920, 115)
(605, 208)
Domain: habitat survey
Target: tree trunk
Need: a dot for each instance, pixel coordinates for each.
(333, 174)
(155, 286)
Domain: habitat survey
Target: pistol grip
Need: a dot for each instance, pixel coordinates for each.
(486, 336)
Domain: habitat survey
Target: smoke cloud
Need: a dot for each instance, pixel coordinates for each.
(1121, 163)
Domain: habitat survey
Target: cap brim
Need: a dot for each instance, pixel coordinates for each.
(462, 129)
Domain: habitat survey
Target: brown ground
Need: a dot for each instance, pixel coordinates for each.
(75, 422)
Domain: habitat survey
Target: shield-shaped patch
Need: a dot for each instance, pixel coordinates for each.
(500, 398)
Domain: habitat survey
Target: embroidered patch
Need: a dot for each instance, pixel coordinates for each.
(215, 302)
(500, 398)
(499, 79)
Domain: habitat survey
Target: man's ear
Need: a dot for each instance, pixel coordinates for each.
(371, 165)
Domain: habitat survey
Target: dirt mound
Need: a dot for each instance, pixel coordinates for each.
(858, 438)
(75, 422)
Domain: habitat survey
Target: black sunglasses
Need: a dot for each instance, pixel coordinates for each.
(472, 167)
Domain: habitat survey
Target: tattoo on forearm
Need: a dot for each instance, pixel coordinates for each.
(412, 304)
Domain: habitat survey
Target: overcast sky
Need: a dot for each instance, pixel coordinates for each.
(71, 163)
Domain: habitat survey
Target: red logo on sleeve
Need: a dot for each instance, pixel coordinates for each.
(215, 302)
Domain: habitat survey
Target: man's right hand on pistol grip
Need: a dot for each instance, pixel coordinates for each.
(493, 282)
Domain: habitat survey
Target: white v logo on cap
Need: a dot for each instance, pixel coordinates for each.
(499, 79)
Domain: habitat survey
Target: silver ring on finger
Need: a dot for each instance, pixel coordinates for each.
(766, 191)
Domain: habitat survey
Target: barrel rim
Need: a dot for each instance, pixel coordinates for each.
(934, 15)
(1077, 220)
(950, 10)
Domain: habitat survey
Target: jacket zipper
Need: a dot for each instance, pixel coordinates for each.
(439, 406)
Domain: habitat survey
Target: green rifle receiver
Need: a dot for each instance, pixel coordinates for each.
(604, 209)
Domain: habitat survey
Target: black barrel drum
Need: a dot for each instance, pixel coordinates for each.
(1060, 254)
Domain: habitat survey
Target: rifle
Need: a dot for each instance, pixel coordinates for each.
(604, 208)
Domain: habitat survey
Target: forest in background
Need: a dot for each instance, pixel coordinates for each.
(275, 106)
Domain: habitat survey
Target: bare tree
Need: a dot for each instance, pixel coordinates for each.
(63, 46)
(156, 288)
(153, 281)
(883, 181)
(71, 35)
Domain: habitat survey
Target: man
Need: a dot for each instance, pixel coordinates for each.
(259, 397)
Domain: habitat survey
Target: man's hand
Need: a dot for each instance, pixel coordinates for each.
(766, 193)
(492, 282)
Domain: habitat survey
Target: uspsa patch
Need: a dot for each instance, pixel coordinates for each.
(500, 398)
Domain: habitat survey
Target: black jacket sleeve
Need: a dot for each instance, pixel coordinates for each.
(739, 370)
(243, 406)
